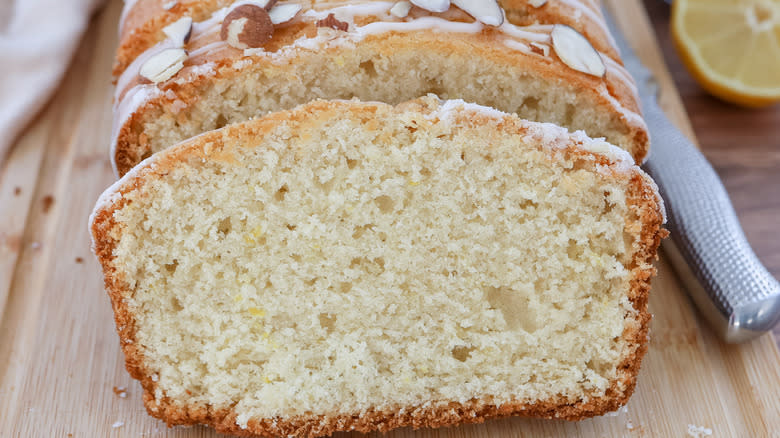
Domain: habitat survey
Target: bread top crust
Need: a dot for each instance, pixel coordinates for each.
(608, 160)
(142, 21)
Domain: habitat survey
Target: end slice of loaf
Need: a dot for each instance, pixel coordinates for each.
(358, 266)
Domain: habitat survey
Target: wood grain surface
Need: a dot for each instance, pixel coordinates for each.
(60, 361)
(742, 144)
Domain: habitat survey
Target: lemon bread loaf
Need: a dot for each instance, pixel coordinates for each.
(357, 266)
(208, 74)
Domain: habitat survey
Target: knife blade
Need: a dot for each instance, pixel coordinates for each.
(707, 247)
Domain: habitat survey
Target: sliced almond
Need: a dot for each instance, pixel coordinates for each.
(167, 6)
(401, 9)
(284, 13)
(179, 31)
(537, 3)
(576, 51)
(162, 66)
(484, 11)
(541, 49)
(432, 5)
(247, 26)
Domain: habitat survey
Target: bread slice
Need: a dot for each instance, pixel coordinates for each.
(381, 57)
(357, 266)
(142, 23)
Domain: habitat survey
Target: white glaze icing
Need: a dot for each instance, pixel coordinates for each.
(621, 72)
(434, 24)
(539, 33)
(593, 16)
(519, 46)
(349, 12)
(207, 48)
(629, 115)
(449, 108)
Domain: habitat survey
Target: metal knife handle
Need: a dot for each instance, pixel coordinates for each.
(707, 246)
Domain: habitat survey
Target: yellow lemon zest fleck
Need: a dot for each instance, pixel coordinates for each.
(266, 335)
(238, 298)
(414, 183)
(594, 258)
(266, 379)
(248, 239)
(254, 311)
(258, 231)
(339, 61)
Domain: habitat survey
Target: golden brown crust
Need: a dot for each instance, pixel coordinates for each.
(605, 93)
(432, 416)
(645, 226)
(145, 19)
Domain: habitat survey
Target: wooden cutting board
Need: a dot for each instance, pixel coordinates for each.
(59, 354)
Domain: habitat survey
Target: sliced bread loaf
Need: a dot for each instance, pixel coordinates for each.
(357, 266)
(373, 55)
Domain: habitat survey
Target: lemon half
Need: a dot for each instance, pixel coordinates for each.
(732, 47)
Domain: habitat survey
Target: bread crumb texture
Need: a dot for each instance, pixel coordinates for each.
(344, 261)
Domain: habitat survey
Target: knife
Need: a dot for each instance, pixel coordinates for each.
(707, 247)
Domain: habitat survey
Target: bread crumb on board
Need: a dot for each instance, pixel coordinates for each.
(698, 431)
(47, 201)
(622, 410)
(120, 391)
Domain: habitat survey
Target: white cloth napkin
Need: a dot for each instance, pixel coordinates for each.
(37, 40)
